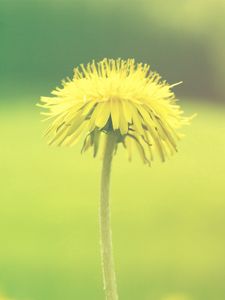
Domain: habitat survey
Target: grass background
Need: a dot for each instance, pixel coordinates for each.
(168, 220)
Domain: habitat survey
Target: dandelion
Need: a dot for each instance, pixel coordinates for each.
(111, 103)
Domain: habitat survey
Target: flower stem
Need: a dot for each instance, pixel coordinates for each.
(109, 277)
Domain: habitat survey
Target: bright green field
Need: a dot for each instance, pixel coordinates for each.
(168, 220)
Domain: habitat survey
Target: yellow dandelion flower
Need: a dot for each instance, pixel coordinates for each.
(116, 96)
(109, 103)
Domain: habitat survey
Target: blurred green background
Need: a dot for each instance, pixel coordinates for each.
(168, 220)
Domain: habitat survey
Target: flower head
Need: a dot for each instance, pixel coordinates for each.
(120, 97)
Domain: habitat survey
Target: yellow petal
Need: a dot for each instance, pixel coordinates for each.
(127, 111)
(75, 124)
(74, 138)
(128, 144)
(123, 126)
(92, 120)
(137, 122)
(103, 114)
(88, 107)
(115, 113)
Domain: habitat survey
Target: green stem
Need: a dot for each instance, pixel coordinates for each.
(109, 277)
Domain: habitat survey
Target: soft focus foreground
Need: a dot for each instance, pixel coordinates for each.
(168, 220)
